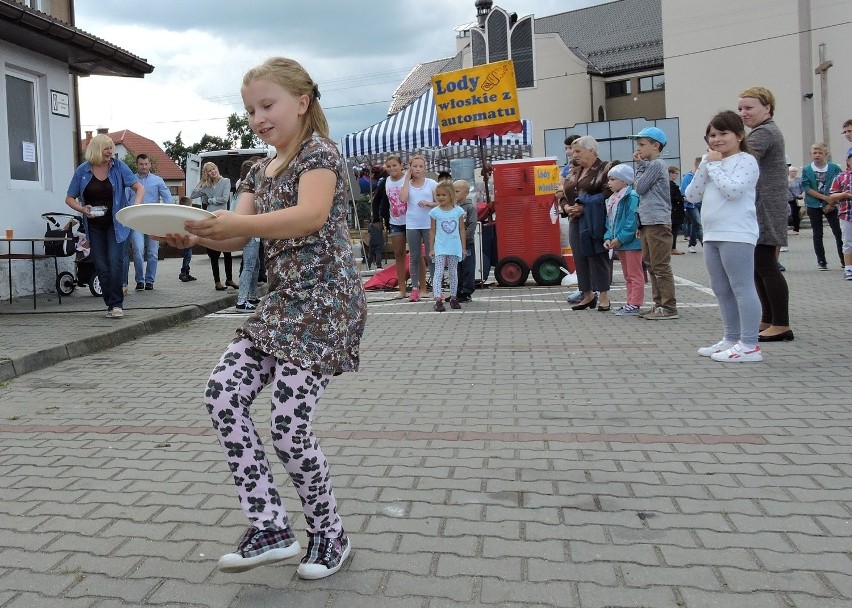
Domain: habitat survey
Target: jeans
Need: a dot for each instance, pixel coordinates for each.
(145, 251)
(248, 275)
(416, 240)
(109, 257)
(467, 272)
(696, 232)
(187, 258)
(816, 214)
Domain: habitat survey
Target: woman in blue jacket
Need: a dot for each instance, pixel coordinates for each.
(96, 192)
(621, 227)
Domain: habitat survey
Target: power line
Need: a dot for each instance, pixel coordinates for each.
(163, 122)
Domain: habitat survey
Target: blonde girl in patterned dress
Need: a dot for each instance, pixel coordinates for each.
(306, 330)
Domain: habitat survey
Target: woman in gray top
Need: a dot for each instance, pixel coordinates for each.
(215, 194)
(756, 106)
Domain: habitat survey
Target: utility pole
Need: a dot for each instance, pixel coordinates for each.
(822, 71)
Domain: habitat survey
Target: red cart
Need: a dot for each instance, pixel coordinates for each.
(527, 236)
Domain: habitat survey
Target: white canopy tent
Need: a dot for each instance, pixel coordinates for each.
(414, 130)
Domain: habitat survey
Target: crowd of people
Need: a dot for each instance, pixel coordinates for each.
(309, 327)
(736, 202)
(427, 219)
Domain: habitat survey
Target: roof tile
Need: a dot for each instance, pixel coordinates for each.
(137, 144)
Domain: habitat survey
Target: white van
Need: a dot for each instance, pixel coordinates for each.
(229, 163)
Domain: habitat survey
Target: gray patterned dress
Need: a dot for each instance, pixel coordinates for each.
(766, 144)
(315, 310)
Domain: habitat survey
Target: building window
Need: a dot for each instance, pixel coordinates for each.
(652, 83)
(521, 43)
(618, 88)
(22, 123)
(505, 38)
(497, 29)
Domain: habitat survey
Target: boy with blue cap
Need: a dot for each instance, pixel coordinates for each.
(651, 183)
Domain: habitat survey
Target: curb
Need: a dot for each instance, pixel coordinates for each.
(31, 362)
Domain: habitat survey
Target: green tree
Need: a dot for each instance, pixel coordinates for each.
(240, 133)
(177, 149)
(130, 161)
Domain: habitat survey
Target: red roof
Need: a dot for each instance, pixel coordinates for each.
(136, 144)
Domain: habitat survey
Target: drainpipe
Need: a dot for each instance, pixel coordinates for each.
(75, 95)
(591, 100)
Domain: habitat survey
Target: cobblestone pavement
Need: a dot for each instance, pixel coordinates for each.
(515, 453)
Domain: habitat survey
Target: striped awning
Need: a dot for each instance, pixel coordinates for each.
(414, 130)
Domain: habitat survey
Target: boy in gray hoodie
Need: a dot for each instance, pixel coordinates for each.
(655, 216)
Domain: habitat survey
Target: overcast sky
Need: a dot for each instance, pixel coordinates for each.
(358, 52)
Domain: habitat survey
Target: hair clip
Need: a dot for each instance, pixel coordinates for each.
(316, 92)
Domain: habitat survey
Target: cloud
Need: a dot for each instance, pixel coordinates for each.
(357, 52)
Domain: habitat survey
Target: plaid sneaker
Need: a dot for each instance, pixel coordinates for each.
(259, 547)
(325, 556)
(626, 311)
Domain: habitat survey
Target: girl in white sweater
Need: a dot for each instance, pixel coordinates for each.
(725, 184)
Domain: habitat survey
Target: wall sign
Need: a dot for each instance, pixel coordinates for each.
(59, 104)
(477, 102)
(547, 179)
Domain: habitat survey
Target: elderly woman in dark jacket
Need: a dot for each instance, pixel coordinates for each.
(583, 199)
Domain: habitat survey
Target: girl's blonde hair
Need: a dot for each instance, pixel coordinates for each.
(413, 157)
(205, 181)
(763, 95)
(446, 186)
(293, 78)
(95, 150)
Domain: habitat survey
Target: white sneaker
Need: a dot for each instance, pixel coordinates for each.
(785, 248)
(738, 354)
(716, 348)
(691, 249)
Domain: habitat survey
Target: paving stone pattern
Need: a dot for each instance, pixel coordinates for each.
(513, 454)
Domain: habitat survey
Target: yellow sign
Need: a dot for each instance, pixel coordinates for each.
(547, 179)
(477, 102)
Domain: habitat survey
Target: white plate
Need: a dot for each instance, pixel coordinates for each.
(160, 219)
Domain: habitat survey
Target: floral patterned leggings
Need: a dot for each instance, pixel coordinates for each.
(438, 275)
(234, 384)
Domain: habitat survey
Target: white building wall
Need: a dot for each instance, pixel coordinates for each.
(21, 209)
(562, 95)
(715, 50)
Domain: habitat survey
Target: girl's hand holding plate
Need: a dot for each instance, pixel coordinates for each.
(222, 226)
